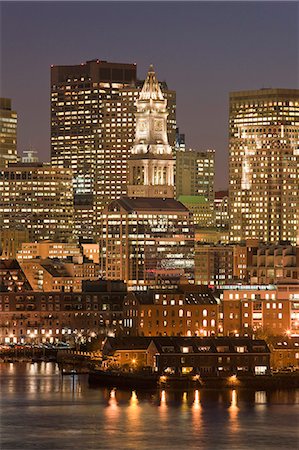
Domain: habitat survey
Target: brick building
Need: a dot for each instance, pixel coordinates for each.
(176, 313)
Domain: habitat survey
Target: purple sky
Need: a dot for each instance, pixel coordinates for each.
(203, 50)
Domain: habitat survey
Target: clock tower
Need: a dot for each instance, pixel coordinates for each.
(151, 164)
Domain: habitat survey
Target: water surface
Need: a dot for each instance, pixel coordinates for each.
(40, 409)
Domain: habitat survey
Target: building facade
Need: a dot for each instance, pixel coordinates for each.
(148, 239)
(221, 209)
(201, 356)
(195, 173)
(12, 277)
(263, 165)
(39, 198)
(270, 309)
(51, 275)
(92, 132)
(11, 242)
(35, 318)
(190, 313)
(8, 133)
(259, 263)
(147, 242)
(151, 164)
(201, 208)
(213, 264)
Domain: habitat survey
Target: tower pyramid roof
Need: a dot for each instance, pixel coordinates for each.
(151, 88)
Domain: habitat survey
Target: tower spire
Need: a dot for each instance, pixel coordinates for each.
(151, 165)
(151, 89)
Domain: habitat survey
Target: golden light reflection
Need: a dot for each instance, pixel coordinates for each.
(163, 406)
(112, 412)
(133, 412)
(112, 394)
(233, 411)
(196, 404)
(185, 401)
(260, 399)
(196, 411)
(163, 398)
(134, 398)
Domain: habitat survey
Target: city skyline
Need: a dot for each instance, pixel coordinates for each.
(202, 69)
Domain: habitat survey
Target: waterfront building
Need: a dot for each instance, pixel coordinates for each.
(190, 355)
(213, 264)
(74, 318)
(195, 173)
(39, 198)
(284, 352)
(165, 313)
(263, 165)
(8, 133)
(147, 236)
(92, 131)
(270, 309)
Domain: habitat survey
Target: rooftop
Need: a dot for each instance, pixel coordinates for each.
(148, 204)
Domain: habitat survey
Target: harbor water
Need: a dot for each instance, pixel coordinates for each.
(40, 409)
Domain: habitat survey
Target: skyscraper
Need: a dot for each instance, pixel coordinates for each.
(92, 132)
(38, 198)
(8, 133)
(264, 165)
(195, 173)
(147, 236)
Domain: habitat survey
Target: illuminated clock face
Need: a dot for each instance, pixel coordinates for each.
(158, 125)
(142, 126)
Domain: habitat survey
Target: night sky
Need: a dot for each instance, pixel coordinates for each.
(203, 50)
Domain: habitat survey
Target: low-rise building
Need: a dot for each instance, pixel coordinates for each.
(273, 309)
(258, 263)
(194, 355)
(166, 313)
(284, 352)
(51, 275)
(38, 317)
(12, 277)
(48, 249)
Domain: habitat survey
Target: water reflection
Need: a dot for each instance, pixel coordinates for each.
(42, 405)
(233, 412)
(112, 413)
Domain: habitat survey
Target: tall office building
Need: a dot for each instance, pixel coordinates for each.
(195, 173)
(38, 198)
(147, 236)
(8, 133)
(264, 165)
(92, 131)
